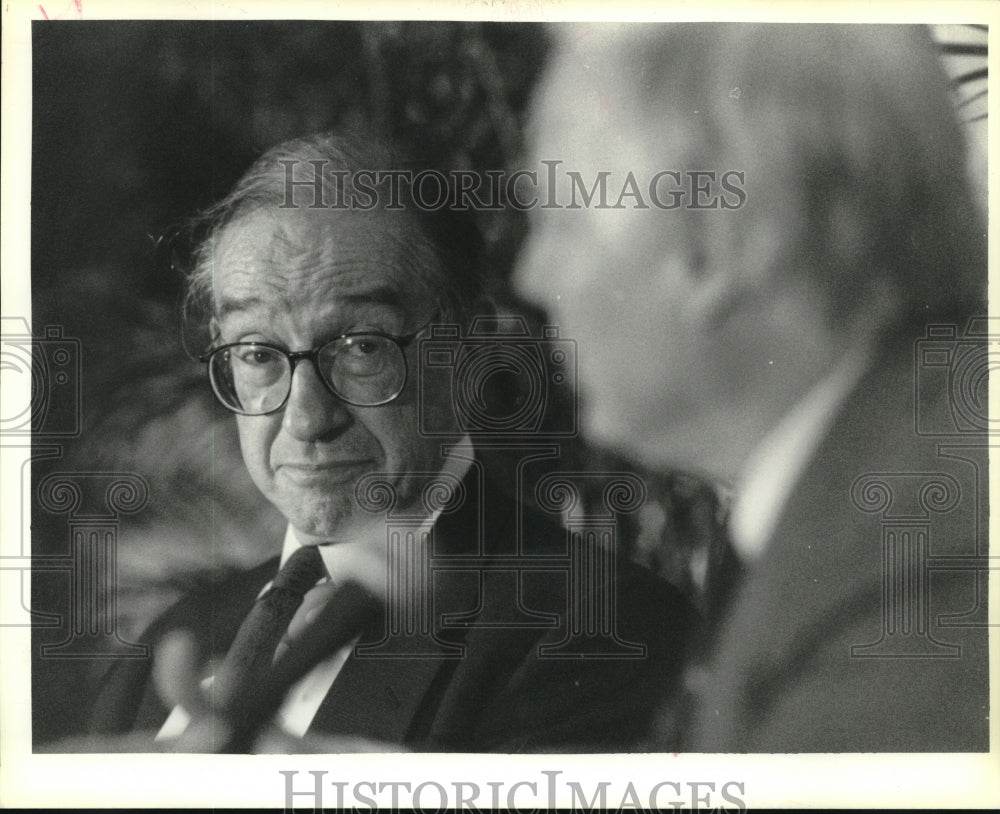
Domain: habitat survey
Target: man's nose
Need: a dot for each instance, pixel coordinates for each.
(312, 411)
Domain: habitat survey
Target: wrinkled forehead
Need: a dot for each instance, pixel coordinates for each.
(286, 258)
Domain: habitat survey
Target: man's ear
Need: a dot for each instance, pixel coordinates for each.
(728, 275)
(198, 335)
(717, 295)
(711, 287)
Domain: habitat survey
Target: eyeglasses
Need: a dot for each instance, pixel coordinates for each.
(362, 369)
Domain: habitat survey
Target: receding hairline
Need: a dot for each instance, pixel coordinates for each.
(448, 257)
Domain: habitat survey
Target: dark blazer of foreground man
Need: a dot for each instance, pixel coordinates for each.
(497, 661)
(807, 339)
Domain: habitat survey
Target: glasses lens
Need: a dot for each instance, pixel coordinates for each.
(364, 369)
(250, 379)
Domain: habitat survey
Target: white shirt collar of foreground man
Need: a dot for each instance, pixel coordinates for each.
(778, 462)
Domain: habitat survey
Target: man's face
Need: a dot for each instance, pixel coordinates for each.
(618, 281)
(298, 278)
(697, 328)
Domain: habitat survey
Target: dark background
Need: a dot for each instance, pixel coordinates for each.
(138, 125)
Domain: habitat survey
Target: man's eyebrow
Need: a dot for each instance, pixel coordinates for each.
(232, 305)
(379, 295)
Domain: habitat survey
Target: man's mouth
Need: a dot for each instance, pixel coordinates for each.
(327, 472)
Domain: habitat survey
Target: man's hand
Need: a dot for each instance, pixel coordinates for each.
(319, 626)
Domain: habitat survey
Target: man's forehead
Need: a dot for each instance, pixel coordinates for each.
(301, 236)
(269, 257)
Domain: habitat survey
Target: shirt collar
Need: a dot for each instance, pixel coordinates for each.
(777, 463)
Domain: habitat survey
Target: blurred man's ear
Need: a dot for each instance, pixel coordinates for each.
(711, 287)
(716, 294)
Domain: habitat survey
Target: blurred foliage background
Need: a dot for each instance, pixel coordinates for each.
(138, 124)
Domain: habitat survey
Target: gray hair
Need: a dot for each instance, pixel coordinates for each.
(446, 246)
(853, 156)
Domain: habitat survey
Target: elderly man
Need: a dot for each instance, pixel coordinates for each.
(771, 284)
(321, 283)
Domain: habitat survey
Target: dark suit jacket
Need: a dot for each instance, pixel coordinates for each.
(788, 675)
(503, 694)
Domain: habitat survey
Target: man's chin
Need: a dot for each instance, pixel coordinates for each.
(682, 448)
(328, 523)
(342, 532)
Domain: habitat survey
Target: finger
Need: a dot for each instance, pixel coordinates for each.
(330, 626)
(176, 673)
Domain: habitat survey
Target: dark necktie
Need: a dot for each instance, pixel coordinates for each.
(723, 580)
(248, 662)
(249, 687)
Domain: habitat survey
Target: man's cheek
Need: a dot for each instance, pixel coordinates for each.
(255, 443)
(438, 405)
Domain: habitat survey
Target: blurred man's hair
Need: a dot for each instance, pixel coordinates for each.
(854, 163)
(443, 242)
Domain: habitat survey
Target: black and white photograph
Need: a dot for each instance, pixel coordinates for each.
(497, 406)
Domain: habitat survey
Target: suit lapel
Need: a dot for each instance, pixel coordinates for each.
(823, 566)
(380, 698)
(393, 697)
(825, 552)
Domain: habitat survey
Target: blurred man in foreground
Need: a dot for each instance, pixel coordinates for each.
(765, 244)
